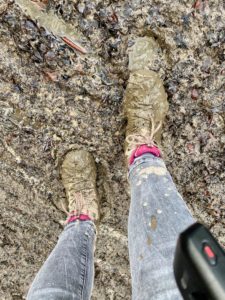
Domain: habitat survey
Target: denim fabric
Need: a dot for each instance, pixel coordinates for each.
(157, 215)
(68, 272)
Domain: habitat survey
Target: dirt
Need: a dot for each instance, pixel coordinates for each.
(54, 98)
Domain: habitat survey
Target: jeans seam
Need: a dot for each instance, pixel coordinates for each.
(83, 277)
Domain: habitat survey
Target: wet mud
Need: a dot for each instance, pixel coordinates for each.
(54, 97)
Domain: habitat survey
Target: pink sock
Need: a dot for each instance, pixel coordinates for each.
(140, 150)
(80, 217)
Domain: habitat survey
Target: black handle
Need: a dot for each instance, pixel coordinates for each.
(199, 265)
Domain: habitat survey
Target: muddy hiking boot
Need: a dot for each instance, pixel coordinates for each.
(78, 173)
(145, 100)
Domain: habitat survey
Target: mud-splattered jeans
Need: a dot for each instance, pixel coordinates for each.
(157, 215)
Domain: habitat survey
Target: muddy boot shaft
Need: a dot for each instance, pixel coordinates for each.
(145, 103)
(79, 179)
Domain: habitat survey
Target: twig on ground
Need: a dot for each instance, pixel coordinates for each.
(10, 150)
(73, 45)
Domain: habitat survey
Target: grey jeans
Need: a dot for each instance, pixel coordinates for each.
(157, 215)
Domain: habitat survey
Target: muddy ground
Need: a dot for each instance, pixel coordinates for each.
(54, 98)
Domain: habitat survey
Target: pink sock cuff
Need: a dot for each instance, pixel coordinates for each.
(143, 149)
(80, 217)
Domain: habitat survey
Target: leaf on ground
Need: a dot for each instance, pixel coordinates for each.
(52, 76)
(40, 4)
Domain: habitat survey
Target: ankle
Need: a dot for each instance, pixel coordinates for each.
(143, 149)
(73, 216)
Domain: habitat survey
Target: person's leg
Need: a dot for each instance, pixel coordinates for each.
(157, 215)
(68, 272)
(157, 212)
